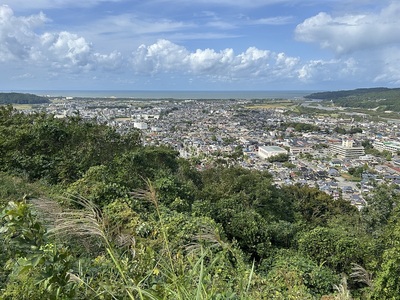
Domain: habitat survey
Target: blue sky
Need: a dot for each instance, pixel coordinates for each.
(199, 44)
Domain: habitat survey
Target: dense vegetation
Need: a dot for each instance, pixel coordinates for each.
(382, 99)
(21, 98)
(300, 127)
(87, 213)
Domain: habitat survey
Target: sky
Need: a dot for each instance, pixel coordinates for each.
(199, 44)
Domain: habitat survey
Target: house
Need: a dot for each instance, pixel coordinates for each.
(332, 172)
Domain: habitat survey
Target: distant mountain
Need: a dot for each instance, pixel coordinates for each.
(379, 98)
(21, 98)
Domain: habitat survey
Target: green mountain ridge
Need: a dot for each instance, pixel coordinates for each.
(22, 98)
(379, 98)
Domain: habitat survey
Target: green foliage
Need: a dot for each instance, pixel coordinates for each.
(243, 202)
(47, 265)
(42, 147)
(340, 130)
(387, 282)
(132, 168)
(352, 130)
(21, 231)
(382, 98)
(140, 223)
(300, 127)
(334, 248)
(312, 279)
(289, 165)
(358, 171)
(313, 206)
(279, 158)
(97, 186)
(20, 98)
(172, 192)
(379, 209)
(14, 188)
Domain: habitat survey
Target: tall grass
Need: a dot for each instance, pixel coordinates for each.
(187, 276)
(87, 221)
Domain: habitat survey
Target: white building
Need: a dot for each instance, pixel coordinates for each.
(298, 149)
(269, 151)
(391, 146)
(140, 125)
(347, 149)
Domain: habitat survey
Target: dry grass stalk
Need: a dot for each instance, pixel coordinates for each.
(207, 234)
(343, 293)
(84, 222)
(361, 275)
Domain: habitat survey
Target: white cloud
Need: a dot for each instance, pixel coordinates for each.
(280, 20)
(223, 25)
(352, 32)
(20, 42)
(229, 3)
(331, 70)
(134, 25)
(16, 33)
(67, 47)
(109, 62)
(26, 49)
(47, 4)
(23, 76)
(165, 56)
(367, 46)
(389, 71)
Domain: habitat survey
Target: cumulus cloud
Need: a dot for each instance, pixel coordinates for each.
(348, 71)
(352, 32)
(16, 33)
(19, 41)
(66, 48)
(165, 56)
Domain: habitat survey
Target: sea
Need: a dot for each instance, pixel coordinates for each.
(274, 94)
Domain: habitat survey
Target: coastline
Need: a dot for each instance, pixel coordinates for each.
(277, 94)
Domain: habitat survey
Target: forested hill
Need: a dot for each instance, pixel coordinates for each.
(370, 98)
(88, 213)
(21, 98)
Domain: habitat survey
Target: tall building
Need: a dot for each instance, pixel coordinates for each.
(347, 149)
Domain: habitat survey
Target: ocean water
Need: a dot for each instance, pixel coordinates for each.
(290, 94)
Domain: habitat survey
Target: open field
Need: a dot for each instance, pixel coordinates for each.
(349, 177)
(22, 106)
(273, 104)
(123, 119)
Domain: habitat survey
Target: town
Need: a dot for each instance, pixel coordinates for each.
(343, 154)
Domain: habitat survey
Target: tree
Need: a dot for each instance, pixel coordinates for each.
(313, 206)
(279, 158)
(292, 272)
(331, 247)
(387, 281)
(379, 208)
